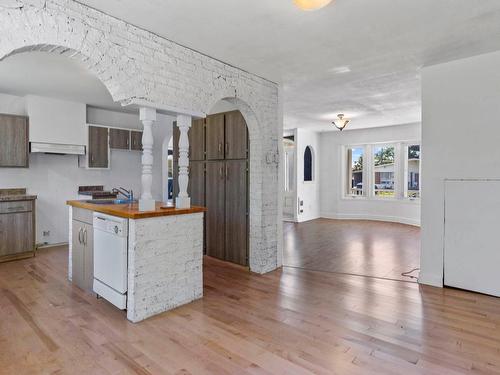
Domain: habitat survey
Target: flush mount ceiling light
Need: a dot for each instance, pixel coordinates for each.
(311, 4)
(341, 123)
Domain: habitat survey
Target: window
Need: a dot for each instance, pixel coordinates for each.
(412, 185)
(384, 168)
(354, 178)
(308, 164)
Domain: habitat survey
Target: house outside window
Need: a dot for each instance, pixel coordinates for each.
(355, 167)
(412, 173)
(384, 171)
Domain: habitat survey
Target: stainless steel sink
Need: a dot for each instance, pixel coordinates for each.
(109, 201)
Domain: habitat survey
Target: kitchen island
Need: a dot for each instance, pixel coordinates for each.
(165, 250)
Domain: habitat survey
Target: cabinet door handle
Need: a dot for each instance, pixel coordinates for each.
(220, 172)
(85, 236)
(220, 147)
(80, 235)
(227, 148)
(227, 172)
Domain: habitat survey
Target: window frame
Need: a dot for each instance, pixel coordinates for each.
(400, 149)
(346, 194)
(405, 147)
(313, 165)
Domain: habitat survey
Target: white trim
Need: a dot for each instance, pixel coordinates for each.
(391, 219)
(161, 108)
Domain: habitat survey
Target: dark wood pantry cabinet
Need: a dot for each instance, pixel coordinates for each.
(218, 179)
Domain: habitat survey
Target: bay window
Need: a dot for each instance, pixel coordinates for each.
(354, 179)
(384, 171)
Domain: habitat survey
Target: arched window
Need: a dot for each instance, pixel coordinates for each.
(308, 164)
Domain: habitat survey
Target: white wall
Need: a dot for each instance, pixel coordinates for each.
(308, 192)
(334, 204)
(55, 178)
(461, 133)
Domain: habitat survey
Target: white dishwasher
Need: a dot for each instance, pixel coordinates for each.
(110, 258)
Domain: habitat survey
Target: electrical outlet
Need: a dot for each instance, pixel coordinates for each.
(46, 233)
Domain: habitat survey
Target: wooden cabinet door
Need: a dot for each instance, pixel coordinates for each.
(119, 139)
(136, 140)
(214, 130)
(236, 233)
(16, 233)
(196, 186)
(236, 136)
(175, 160)
(98, 147)
(214, 198)
(14, 142)
(196, 136)
(78, 254)
(88, 257)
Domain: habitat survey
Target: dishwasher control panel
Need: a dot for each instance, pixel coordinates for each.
(111, 224)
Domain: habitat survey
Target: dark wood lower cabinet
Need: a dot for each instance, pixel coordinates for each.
(215, 215)
(236, 214)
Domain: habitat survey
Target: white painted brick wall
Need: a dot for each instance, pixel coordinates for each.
(165, 264)
(137, 65)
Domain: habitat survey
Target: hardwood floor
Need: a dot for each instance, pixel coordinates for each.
(290, 321)
(358, 247)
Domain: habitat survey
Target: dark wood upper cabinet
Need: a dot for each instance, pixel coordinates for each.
(236, 231)
(215, 201)
(215, 136)
(98, 152)
(14, 141)
(119, 139)
(236, 142)
(197, 140)
(136, 140)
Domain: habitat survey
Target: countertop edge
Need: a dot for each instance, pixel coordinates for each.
(129, 211)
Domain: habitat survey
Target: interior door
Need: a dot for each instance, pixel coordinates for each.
(215, 201)
(236, 233)
(196, 136)
(236, 136)
(215, 137)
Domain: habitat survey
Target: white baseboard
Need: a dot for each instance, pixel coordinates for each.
(392, 219)
(430, 279)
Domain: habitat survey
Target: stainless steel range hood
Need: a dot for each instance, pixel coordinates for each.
(55, 148)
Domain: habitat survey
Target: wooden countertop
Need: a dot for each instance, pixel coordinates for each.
(131, 210)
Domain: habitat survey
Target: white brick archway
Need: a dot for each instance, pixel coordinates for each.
(138, 67)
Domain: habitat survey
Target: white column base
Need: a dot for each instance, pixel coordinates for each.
(147, 204)
(182, 202)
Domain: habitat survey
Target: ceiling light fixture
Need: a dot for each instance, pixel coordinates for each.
(341, 123)
(311, 4)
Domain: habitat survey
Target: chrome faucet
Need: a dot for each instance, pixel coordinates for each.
(129, 194)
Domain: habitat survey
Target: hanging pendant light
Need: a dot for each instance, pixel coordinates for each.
(342, 122)
(311, 4)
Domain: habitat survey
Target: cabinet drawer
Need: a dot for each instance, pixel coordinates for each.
(15, 206)
(85, 216)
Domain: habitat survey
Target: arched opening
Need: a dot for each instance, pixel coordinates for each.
(308, 164)
(219, 178)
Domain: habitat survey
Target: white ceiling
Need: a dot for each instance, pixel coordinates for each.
(359, 57)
